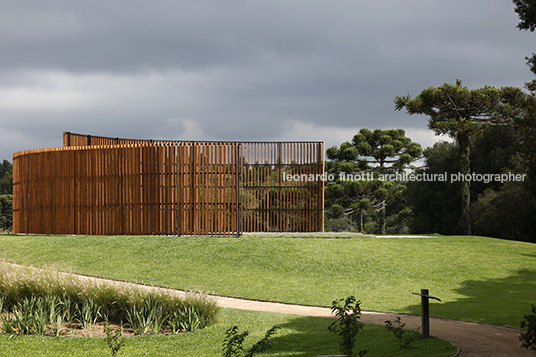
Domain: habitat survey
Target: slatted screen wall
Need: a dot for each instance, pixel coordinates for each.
(282, 189)
(99, 185)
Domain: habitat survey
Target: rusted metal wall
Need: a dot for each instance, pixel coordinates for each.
(99, 185)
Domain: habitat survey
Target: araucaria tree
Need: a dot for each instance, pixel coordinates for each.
(461, 113)
(378, 150)
(526, 9)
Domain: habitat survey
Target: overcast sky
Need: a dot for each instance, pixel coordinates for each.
(247, 70)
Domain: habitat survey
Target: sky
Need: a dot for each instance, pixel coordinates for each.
(242, 70)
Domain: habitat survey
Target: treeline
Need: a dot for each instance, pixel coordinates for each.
(483, 183)
(355, 202)
(504, 209)
(431, 202)
(6, 196)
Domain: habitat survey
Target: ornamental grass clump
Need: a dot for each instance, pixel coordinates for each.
(40, 301)
(88, 312)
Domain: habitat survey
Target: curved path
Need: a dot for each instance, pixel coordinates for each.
(472, 339)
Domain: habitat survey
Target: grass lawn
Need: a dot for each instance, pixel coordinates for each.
(299, 337)
(478, 279)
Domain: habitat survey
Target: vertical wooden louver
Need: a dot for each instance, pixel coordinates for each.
(99, 185)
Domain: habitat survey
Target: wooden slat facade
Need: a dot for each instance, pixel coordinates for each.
(273, 203)
(99, 185)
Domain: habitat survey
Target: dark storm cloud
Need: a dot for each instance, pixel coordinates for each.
(241, 70)
(143, 35)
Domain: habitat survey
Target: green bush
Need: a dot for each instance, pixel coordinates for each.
(114, 339)
(405, 337)
(233, 342)
(347, 326)
(342, 224)
(528, 338)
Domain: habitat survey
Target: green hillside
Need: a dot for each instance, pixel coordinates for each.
(477, 278)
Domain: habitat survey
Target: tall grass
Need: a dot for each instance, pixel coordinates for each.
(36, 298)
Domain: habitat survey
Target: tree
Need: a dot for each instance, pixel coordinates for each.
(498, 209)
(347, 200)
(462, 114)
(6, 178)
(507, 213)
(525, 129)
(377, 150)
(502, 209)
(526, 9)
(435, 204)
(386, 147)
(6, 196)
(6, 212)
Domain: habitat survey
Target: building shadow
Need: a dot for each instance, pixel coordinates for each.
(309, 337)
(501, 301)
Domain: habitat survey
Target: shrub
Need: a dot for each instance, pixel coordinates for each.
(348, 325)
(405, 337)
(342, 224)
(233, 342)
(114, 339)
(528, 339)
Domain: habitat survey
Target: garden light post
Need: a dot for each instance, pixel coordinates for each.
(425, 306)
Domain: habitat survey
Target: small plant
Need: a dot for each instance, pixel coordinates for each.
(22, 318)
(528, 339)
(348, 325)
(40, 318)
(58, 324)
(136, 320)
(263, 344)
(405, 337)
(2, 301)
(175, 322)
(147, 317)
(88, 312)
(7, 324)
(187, 319)
(50, 307)
(68, 309)
(191, 320)
(114, 339)
(234, 341)
(158, 320)
(140, 319)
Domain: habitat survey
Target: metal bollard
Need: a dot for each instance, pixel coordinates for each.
(425, 307)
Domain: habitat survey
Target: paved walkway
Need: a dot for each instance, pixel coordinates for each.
(472, 339)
